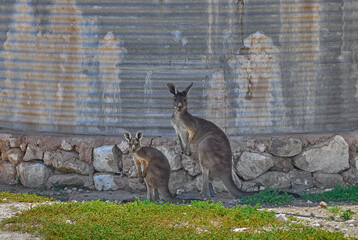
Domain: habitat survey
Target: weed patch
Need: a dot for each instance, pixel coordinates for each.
(339, 193)
(347, 214)
(146, 220)
(334, 209)
(22, 197)
(268, 196)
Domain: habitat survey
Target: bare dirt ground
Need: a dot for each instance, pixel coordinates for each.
(311, 214)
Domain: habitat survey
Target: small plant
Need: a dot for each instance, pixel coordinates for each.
(346, 215)
(268, 196)
(18, 179)
(43, 188)
(335, 209)
(58, 187)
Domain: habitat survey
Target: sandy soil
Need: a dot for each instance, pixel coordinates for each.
(8, 210)
(308, 213)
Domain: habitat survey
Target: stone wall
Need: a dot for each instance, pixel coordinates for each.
(97, 162)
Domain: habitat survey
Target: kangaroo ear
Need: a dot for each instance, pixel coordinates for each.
(139, 135)
(127, 135)
(172, 88)
(187, 90)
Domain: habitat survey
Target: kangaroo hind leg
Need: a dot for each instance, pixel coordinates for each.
(205, 190)
(151, 192)
(155, 196)
(165, 194)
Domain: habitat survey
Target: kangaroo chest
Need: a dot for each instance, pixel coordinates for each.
(139, 158)
(181, 128)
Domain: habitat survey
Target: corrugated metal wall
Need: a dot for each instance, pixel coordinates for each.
(98, 67)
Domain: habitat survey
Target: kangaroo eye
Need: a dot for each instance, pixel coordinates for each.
(184, 99)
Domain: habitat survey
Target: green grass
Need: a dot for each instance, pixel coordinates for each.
(334, 209)
(339, 193)
(268, 196)
(274, 197)
(145, 220)
(347, 214)
(22, 197)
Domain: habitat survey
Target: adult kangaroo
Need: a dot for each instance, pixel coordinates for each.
(205, 142)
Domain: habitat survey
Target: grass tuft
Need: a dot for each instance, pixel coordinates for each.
(334, 209)
(347, 214)
(22, 197)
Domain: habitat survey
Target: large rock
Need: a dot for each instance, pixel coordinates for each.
(67, 162)
(15, 155)
(7, 172)
(173, 158)
(180, 179)
(107, 159)
(14, 142)
(252, 165)
(129, 168)
(122, 182)
(331, 156)
(70, 180)
(327, 180)
(236, 179)
(33, 153)
(104, 182)
(350, 176)
(109, 181)
(250, 186)
(135, 186)
(237, 147)
(192, 167)
(285, 148)
(85, 151)
(282, 164)
(33, 174)
(270, 179)
(4, 143)
(4, 147)
(65, 145)
(301, 180)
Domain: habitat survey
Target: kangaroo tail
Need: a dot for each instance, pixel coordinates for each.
(167, 196)
(231, 186)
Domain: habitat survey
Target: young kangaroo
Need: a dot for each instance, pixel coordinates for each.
(204, 142)
(152, 166)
